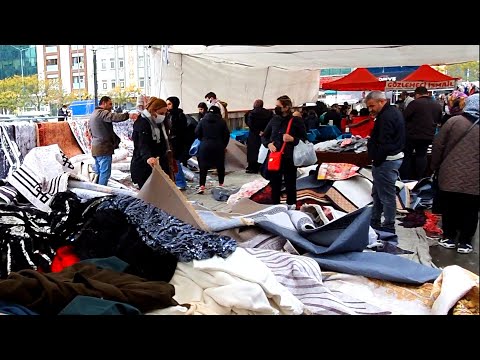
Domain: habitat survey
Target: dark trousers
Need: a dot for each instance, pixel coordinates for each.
(415, 152)
(288, 171)
(459, 214)
(204, 171)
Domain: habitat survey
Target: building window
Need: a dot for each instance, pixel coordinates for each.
(112, 63)
(141, 82)
(76, 47)
(77, 62)
(122, 84)
(52, 62)
(104, 85)
(113, 84)
(79, 82)
(104, 64)
(141, 61)
(120, 63)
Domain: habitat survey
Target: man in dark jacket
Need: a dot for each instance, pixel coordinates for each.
(178, 133)
(334, 115)
(62, 113)
(421, 118)
(385, 150)
(104, 139)
(256, 119)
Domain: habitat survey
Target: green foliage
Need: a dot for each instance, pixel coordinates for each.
(468, 71)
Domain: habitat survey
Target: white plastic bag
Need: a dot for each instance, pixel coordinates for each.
(262, 154)
(304, 154)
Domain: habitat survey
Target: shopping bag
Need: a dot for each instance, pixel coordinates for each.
(304, 154)
(194, 148)
(262, 154)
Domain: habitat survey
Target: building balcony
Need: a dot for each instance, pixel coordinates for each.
(51, 49)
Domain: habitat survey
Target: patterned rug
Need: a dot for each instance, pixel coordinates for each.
(81, 131)
(58, 133)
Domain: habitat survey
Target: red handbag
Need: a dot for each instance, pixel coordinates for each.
(275, 158)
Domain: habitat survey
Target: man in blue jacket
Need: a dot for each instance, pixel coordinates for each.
(385, 151)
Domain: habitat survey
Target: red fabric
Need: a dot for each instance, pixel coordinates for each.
(343, 124)
(358, 80)
(427, 73)
(363, 130)
(65, 257)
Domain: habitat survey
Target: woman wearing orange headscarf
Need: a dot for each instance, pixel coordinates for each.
(149, 143)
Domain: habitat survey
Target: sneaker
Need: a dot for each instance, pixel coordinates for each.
(464, 248)
(447, 243)
(201, 190)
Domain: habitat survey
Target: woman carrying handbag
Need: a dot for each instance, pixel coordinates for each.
(455, 158)
(282, 133)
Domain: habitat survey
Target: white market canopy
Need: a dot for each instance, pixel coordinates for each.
(239, 74)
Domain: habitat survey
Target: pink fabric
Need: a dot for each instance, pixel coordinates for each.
(247, 190)
(336, 171)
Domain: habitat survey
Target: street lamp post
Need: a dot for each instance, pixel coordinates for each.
(95, 85)
(21, 59)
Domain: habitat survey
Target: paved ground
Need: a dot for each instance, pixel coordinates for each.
(425, 251)
(442, 257)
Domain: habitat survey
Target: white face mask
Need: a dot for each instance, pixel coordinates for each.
(159, 119)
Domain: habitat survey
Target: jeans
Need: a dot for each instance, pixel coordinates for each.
(103, 167)
(384, 193)
(180, 176)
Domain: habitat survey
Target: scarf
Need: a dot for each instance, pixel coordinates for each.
(471, 107)
(153, 125)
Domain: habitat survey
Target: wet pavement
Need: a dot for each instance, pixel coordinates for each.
(442, 257)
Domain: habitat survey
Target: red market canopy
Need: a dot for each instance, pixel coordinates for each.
(425, 76)
(427, 73)
(358, 80)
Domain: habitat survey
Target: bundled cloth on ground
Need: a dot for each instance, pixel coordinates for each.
(29, 238)
(48, 294)
(240, 284)
(43, 173)
(166, 233)
(235, 156)
(170, 199)
(339, 245)
(454, 291)
(59, 133)
(302, 276)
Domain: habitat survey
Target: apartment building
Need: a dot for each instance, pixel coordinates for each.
(117, 65)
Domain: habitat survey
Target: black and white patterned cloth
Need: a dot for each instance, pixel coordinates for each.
(166, 233)
(43, 173)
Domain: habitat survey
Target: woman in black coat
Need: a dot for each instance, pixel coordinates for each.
(257, 120)
(213, 133)
(178, 138)
(273, 138)
(149, 143)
